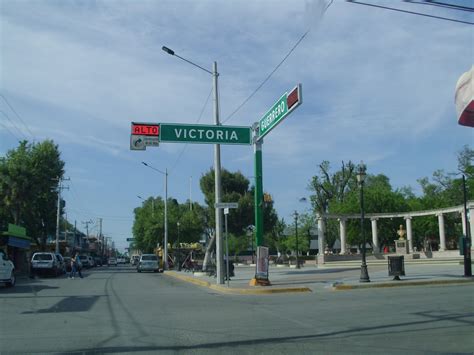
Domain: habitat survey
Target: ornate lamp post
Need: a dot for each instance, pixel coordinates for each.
(364, 275)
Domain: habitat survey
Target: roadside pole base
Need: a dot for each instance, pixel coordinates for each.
(259, 282)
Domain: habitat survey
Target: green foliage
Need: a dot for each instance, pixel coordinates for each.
(27, 195)
(235, 188)
(148, 226)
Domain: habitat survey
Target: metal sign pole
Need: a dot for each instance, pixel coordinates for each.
(226, 212)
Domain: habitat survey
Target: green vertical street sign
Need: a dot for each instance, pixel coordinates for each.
(280, 109)
(273, 116)
(184, 133)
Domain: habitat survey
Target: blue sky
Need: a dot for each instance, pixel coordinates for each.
(378, 86)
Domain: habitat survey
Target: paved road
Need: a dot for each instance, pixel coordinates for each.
(116, 310)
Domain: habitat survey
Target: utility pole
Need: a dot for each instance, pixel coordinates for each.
(218, 187)
(87, 229)
(60, 187)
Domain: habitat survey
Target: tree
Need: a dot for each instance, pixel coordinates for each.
(235, 188)
(330, 187)
(27, 188)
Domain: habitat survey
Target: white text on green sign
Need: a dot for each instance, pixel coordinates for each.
(279, 110)
(205, 134)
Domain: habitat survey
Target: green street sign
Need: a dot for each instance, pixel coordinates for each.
(184, 133)
(280, 109)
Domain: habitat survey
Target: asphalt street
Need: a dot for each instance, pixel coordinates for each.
(117, 310)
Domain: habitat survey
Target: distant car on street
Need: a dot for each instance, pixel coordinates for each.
(7, 271)
(98, 261)
(120, 260)
(148, 262)
(112, 261)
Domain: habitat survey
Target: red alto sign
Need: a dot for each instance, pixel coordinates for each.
(145, 129)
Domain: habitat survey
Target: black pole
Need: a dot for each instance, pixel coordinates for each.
(296, 234)
(364, 274)
(467, 244)
(179, 252)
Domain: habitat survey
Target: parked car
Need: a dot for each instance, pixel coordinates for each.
(148, 262)
(7, 271)
(112, 261)
(46, 262)
(98, 261)
(120, 260)
(67, 263)
(84, 260)
(61, 263)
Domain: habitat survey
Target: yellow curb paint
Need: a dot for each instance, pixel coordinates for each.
(237, 291)
(400, 284)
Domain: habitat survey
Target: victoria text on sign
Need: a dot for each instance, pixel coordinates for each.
(205, 134)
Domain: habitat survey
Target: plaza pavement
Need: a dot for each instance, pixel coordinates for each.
(331, 277)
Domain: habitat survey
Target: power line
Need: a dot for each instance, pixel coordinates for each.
(410, 12)
(186, 145)
(13, 124)
(8, 129)
(274, 70)
(17, 115)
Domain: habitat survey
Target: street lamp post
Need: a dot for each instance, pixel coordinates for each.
(296, 235)
(217, 166)
(364, 274)
(165, 242)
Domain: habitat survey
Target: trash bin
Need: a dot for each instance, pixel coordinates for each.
(396, 266)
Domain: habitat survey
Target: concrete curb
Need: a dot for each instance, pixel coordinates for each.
(236, 291)
(342, 287)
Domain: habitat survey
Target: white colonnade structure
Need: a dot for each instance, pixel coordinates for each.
(407, 216)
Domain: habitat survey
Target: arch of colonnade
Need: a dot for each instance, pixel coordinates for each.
(408, 216)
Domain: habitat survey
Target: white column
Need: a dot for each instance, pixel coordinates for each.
(342, 234)
(442, 235)
(375, 239)
(463, 222)
(321, 240)
(409, 234)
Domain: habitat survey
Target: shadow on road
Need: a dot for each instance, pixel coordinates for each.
(69, 304)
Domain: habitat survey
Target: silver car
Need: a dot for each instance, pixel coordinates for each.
(148, 262)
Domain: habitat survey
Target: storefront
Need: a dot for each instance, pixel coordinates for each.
(16, 244)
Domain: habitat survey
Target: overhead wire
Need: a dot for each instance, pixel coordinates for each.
(410, 12)
(186, 145)
(23, 136)
(274, 70)
(17, 115)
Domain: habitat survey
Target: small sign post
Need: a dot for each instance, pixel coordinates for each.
(226, 206)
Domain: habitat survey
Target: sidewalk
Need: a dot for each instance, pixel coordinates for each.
(327, 278)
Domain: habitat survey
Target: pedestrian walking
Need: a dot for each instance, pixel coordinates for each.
(73, 266)
(76, 266)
